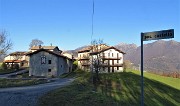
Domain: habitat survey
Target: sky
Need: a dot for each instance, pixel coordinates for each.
(68, 23)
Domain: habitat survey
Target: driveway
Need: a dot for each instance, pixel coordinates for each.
(28, 96)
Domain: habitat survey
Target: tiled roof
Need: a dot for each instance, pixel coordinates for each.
(44, 47)
(13, 61)
(86, 49)
(18, 53)
(112, 47)
(51, 52)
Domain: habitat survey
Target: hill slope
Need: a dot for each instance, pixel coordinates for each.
(158, 56)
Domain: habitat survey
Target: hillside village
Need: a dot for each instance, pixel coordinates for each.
(48, 61)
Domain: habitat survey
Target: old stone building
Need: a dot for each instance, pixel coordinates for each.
(48, 62)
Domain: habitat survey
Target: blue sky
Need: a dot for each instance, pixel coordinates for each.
(67, 23)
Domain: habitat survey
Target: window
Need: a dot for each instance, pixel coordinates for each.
(117, 61)
(117, 55)
(113, 69)
(49, 62)
(108, 69)
(112, 54)
(117, 68)
(112, 62)
(103, 54)
(43, 59)
(49, 70)
(108, 54)
(103, 68)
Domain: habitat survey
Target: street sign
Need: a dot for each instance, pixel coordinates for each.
(163, 34)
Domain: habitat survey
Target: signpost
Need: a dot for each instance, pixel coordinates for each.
(156, 35)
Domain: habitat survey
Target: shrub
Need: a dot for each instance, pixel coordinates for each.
(4, 66)
(16, 66)
(75, 65)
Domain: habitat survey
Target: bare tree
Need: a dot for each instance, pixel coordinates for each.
(35, 42)
(17, 55)
(96, 59)
(5, 44)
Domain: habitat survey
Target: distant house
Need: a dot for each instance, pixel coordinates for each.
(111, 58)
(48, 61)
(19, 58)
(50, 48)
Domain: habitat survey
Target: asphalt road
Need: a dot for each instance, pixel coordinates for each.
(28, 96)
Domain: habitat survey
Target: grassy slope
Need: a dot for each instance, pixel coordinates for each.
(4, 83)
(173, 82)
(114, 89)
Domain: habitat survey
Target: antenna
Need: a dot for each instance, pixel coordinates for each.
(92, 21)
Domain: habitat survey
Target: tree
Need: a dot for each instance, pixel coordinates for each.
(5, 44)
(35, 42)
(75, 65)
(96, 59)
(17, 55)
(4, 66)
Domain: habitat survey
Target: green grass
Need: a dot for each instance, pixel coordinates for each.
(173, 82)
(115, 89)
(4, 83)
(6, 71)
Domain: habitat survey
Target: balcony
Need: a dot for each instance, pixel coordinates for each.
(84, 58)
(110, 58)
(85, 64)
(111, 65)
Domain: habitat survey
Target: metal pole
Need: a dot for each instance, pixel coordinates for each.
(142, 79)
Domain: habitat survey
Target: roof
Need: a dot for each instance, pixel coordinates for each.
(112, 47)
(51, 52)
(13, 61)
(44, 47)
(18, 53)
(87, 49)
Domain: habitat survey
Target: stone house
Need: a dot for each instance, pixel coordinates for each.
(48, 62)
(18, 57)
(110, 58)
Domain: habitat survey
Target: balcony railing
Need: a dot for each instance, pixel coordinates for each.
(111, 65)
(110, 58)
(84, 58)
(85, 64)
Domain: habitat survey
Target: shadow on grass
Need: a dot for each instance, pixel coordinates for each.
(115, 89)
(125, 89)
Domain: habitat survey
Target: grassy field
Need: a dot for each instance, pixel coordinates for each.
(115, 89)
(6, 71)
(173, 82)
(4, 83)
